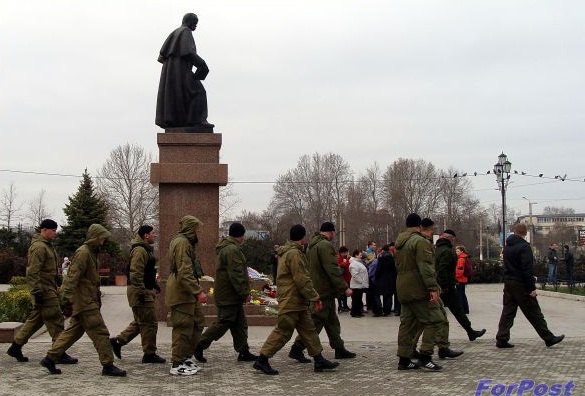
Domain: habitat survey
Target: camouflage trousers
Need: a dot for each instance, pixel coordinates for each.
(282, 333)
(50, 316)
(188, 322)
(145, 324)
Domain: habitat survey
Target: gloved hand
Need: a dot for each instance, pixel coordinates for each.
(99, 299)
(67, 309)
(157, 287)
(38, 297)
(141, 298)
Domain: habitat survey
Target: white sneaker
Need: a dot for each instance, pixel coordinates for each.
(190, 362)
(182, 369)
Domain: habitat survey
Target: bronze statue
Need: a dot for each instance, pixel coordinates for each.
(182, 100)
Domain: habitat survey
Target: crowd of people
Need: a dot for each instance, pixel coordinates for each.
(412, 279)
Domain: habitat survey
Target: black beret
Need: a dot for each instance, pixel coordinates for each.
(413, 220)
(297, 232)
(327, 226)
(236, 230)
(49, 224)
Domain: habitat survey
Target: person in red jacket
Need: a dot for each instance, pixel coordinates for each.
(343, 262)
(463, 271)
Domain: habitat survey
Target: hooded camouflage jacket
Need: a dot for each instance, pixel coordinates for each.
(182, 286)
(295, 288)
(323, 268)
(41, 270)
(81, 286)
(231, 273)
(415, 267)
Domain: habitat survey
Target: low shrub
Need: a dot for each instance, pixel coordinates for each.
(15, 303)
(487, 272)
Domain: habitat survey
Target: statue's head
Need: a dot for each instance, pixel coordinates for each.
(190, 20)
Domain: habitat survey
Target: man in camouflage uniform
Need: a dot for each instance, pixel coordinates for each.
(329, 283)
(232, 288)
(41, 275)
(141, 294)
(295, 292)
(418, 293)
(81, 299)
(184, 296)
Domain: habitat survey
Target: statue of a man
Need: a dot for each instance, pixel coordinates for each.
(182, 100)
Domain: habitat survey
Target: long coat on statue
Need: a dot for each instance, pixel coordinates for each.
(181, 100)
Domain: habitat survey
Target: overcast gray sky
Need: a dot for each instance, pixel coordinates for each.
(451, 82)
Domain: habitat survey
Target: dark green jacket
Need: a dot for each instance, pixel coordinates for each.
(81, 286)
(142, 273)
(415, 267)
(41, 270)
(445, 263)
(231, 273)
(295, 288)
(323, 268)
(182, 286)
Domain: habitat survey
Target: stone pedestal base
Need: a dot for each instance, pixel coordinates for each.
(7, 330)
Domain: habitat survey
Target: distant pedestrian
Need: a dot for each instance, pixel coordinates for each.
(520, 291)
(463, 271)
(553, 260)
(385, 280)
(343, 262)
(569, 266)
(359, 283)
(65, 266)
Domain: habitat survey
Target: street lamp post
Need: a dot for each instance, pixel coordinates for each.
(502, 170)
(531, 232)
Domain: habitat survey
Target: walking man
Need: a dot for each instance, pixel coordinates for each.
(232, 288)
(328, 282)
(141, 294)
(184, 296)
(41, 275)
(520, 291)
(446, 261)
(295, 293)
(553, 260)
(81, 299)
(418, 292)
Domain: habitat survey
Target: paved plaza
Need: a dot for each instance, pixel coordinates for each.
(373, 372)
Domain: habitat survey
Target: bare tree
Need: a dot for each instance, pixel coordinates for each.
(554, 210)
(410, 186)
(38, 209)
(313, 191)
(228, 201)
(123, 181)
(8, 205)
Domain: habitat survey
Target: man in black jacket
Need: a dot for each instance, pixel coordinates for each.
(446, 260)
(520, 291)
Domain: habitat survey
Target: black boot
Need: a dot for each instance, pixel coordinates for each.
(113, 371)
(296, 352)
(449, 353)
(504, 344)
(246, 356)
(15, 351)
(263, 365)
(66, 359)
(554, 340)
(116, 347)
(474, 334)
(152, 358)
(49, 364)
(342, 353)
(322, 364)
(198, 353)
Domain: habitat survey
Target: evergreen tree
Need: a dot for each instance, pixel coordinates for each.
(84, 209)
